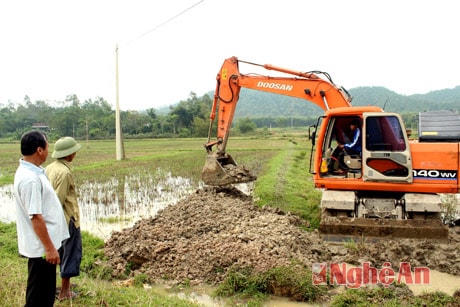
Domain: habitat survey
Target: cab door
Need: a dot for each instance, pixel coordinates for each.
(386, 152)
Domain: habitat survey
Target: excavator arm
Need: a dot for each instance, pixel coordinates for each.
(220, 168)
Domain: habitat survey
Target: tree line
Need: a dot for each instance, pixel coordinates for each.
(95, 119)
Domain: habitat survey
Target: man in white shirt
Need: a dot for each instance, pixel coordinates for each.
(41, 224)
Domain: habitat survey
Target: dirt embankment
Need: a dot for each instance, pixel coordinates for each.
(205, 235)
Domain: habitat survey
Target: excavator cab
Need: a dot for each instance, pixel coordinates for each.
(333, 156)
(384, 155)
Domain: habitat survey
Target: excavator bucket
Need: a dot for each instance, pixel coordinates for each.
(223, 170)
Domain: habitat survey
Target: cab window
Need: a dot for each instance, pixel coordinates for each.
(384, 133)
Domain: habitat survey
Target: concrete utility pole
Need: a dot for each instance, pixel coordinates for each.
(118, 133)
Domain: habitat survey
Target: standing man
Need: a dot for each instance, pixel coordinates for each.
(60, 175)
(41, 225)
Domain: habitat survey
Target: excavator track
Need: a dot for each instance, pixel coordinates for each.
(343, 229)
(349, 215)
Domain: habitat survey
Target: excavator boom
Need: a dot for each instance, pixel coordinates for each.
(220, 168)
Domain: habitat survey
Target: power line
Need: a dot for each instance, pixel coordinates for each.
(163, 23)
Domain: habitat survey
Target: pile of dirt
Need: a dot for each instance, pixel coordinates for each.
(212, 231)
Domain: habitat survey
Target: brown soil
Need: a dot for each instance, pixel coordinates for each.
(213, 230)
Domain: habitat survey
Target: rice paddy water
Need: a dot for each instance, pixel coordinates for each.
(118, 203)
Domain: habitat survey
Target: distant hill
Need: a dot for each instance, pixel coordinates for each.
(261, 104)
(393, 102)
(255, 104)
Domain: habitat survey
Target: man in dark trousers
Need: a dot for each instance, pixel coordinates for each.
(41, 224)
(61, 177)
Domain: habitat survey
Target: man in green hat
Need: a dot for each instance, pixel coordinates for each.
(61, 177)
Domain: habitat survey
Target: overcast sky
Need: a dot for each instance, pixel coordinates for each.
(167, 49)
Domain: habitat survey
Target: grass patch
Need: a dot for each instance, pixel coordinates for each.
(6, 179)
(94, 284)
(14, 267)
(293, 281)
(287, 184)
(395, 295)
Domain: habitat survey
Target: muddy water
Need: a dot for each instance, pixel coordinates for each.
(200, 295)
(207, 301)
(438, 282)
(114, 205)
(284, 302)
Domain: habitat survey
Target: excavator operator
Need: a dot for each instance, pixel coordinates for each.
(352, 147)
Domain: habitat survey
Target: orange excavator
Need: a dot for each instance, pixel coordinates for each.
(391, 187)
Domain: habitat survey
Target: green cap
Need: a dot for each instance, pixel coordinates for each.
(64, 147)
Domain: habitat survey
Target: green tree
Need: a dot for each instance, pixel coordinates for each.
(152, 113)
(7, 125)
(282, 122)
(200, 127)
(97, 119)
(245, 125)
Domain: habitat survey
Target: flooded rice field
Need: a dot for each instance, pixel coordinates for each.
(7, 210)
(117, 204)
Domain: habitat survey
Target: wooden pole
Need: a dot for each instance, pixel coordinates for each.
(120, 148)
